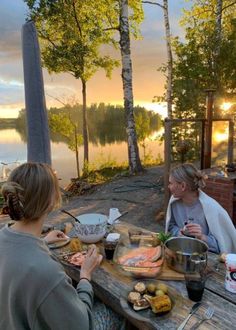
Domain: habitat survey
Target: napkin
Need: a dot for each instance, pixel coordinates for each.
(112, 237)
(114, 213)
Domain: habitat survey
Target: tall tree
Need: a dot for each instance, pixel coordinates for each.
(64, 125)
(168, 69)
(72, 32)
(133, 152)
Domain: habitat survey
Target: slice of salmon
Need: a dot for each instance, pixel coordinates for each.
(140, 256)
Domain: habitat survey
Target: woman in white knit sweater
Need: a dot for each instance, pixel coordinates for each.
(192, 212)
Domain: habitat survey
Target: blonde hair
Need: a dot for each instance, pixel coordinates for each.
(31, 191)
(189, 174)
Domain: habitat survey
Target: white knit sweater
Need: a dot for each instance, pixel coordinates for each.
(218, 220)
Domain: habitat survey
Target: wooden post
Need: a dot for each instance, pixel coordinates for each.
(202, 145)
(208, 128)
(167, 160)
(38, 145)
(231, 142)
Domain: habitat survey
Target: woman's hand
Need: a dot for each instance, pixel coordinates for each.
(91, 262)
(55, 236)
(195, 229)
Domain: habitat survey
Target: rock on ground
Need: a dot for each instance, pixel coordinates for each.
(142, 196)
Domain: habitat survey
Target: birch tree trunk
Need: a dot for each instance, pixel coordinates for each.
(218, 31)
(169, 59)
(133, 152)
(169, 93)
(85, 125)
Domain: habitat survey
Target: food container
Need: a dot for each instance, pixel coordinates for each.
(144, 258)
(230, 277)
(185, 254)
(91, 227)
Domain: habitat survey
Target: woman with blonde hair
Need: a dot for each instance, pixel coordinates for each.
(193, 213)
(35, 292)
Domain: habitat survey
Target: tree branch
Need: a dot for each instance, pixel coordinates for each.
(46, 37)
(55, 98)
(76, 19)
(153, 3)
(112, 28)
(229, 5)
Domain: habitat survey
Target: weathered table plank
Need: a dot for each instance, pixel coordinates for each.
(111, 287)
(216, 280)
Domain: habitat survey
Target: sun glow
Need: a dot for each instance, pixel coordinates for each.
(9, 111)
(220, 136)
(226, 106)
(157, 107)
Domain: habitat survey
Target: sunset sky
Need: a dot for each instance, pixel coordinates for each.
(147, 55)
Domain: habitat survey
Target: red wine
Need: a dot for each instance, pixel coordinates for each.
(195, 290)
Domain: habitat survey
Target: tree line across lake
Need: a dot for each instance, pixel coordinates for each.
(106, 123)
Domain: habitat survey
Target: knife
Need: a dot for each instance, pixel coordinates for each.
(192, 311)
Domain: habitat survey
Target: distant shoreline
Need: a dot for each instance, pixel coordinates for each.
(7, 123)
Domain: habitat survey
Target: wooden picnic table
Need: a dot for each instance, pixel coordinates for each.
(112, 286)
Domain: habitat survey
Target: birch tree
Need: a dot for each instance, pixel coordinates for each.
(133, 152)
(169, 94)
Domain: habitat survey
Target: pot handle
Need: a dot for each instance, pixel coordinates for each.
(198, 259)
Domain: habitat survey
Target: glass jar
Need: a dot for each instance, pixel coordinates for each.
(230, 277)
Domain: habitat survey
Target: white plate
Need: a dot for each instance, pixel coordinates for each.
(59, 244)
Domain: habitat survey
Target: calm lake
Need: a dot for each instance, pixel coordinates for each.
(13, 149)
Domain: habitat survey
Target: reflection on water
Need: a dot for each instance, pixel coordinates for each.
(13, 149)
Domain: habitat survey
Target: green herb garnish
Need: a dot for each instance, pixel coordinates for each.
(163, 237)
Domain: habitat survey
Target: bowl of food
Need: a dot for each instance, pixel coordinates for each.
(142, 259)
(91, 227)
(185, 254)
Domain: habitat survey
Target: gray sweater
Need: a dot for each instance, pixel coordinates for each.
(35, 292)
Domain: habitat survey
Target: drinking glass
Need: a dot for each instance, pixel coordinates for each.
(195, 284)
(185, 232)
(109, 248)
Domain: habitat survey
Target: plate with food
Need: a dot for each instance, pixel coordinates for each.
(59, 244)
(148, 299)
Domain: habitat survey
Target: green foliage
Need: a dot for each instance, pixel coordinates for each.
(142, 124)
(102, 118)
(21, 124)
(196, 66)
(63, 124)
(104, 170)
(199, 66)
(71, 34)
(7, 123)
(163, 237)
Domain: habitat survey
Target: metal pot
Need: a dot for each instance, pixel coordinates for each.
(185, 254)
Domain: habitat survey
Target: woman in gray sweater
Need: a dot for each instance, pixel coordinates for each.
(35, 292)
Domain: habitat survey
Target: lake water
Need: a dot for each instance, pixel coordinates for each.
(13, 149)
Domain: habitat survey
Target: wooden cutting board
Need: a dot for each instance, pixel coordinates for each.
(170, 274)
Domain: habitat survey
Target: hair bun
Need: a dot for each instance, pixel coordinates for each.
(200, 179)
(14, 200)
